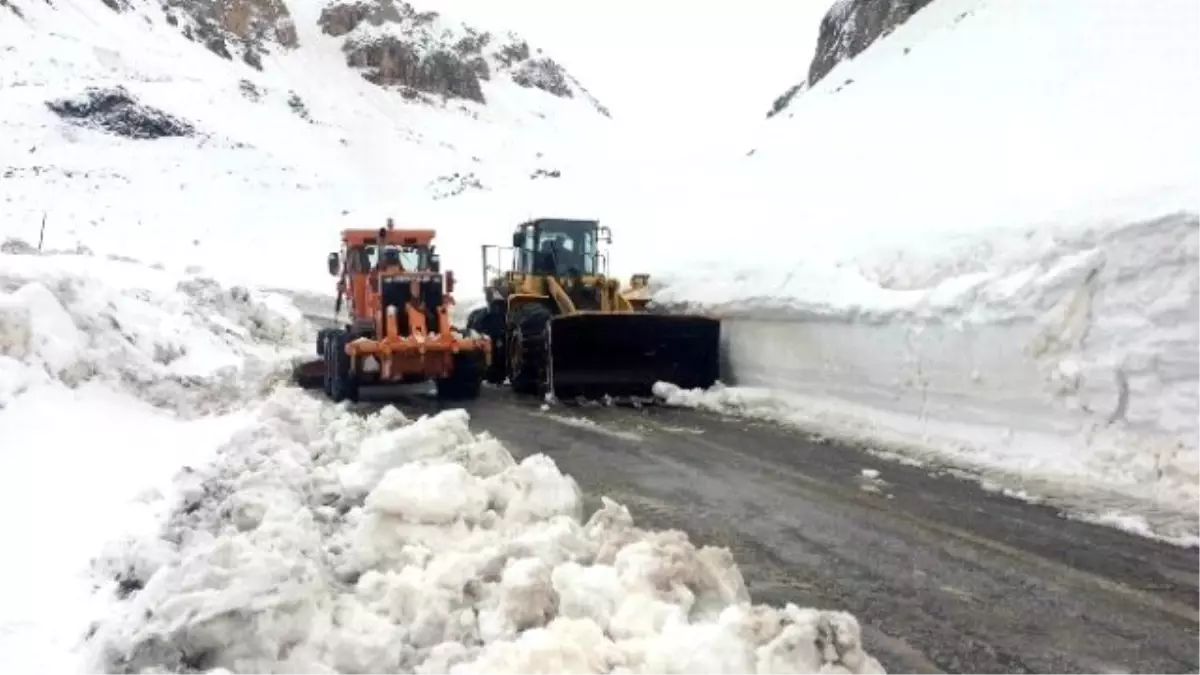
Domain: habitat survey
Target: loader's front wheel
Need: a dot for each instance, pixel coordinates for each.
(527, 348)
(343, 385)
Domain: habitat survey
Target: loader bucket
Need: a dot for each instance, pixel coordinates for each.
(309, 374)
(594, 354)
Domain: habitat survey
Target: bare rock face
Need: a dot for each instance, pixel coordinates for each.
(850, 26)
(422, 53)
(234, 28)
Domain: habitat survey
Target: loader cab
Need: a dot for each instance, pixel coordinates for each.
(560, 247)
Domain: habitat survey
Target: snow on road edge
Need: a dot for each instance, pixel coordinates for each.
(321, 538)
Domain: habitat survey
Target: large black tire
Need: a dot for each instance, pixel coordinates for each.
(326, 353)
(465, 380)
(322, 337)
(489, 321)
(341, 377)
(527, 349)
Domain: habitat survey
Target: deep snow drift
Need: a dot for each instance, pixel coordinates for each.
(321, 539)
(968, 244)
(112, 375)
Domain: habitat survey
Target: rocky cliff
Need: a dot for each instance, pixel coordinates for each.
(424, 54)
(242, 29)
(848, 28)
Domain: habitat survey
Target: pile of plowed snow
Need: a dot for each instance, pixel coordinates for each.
(180, 342)
(321, 539)
(112, 375)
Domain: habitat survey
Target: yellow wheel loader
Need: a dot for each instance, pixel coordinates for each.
(558, 324)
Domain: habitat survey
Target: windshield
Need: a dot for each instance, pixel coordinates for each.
(572, 250)
(411, 259)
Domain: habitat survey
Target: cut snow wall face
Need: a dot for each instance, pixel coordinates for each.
(923, 371)
(1082, 369)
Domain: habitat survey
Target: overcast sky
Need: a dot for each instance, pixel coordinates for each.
(670, 67)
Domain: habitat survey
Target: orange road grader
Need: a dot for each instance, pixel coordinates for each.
(558, 324)
(398, 327)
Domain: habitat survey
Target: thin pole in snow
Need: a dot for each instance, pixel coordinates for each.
(42, 234)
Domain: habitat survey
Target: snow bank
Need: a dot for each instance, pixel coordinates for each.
(112, 375)
(1072, 374)
(184, 343)
(322, 540)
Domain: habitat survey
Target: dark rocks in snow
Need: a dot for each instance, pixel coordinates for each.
(297, 105)
(392, 61)
(785, 99)
(544, 74)
(116, 111)
(546, 173)
(421, 53)
(453, 185)
(226, 27)
(850, 26)
(250, 90)
(116, 5)
(12, 8)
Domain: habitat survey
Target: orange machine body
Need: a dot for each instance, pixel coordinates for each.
(399, 307)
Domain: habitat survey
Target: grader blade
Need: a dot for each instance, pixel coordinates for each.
(309, 374)
(623, 355)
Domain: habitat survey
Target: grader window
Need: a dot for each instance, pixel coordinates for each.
(408, 257)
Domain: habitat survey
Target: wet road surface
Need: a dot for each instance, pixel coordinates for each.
(944, 576)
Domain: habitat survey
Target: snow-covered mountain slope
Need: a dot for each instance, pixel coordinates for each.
(169, 507)
(243, 136)
(985, 228)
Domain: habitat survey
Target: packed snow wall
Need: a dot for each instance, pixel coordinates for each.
(1077, 366)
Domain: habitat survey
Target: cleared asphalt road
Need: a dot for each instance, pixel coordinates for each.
(943, 576)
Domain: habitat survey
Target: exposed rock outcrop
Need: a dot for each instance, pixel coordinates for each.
(850, 26)
(423, 53)
(117, 112)
(243, 29)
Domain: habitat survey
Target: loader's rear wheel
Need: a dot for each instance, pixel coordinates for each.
(465, 380)
(342, 384)
(527, 349)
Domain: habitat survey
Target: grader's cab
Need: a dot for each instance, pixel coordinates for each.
(559, 324)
